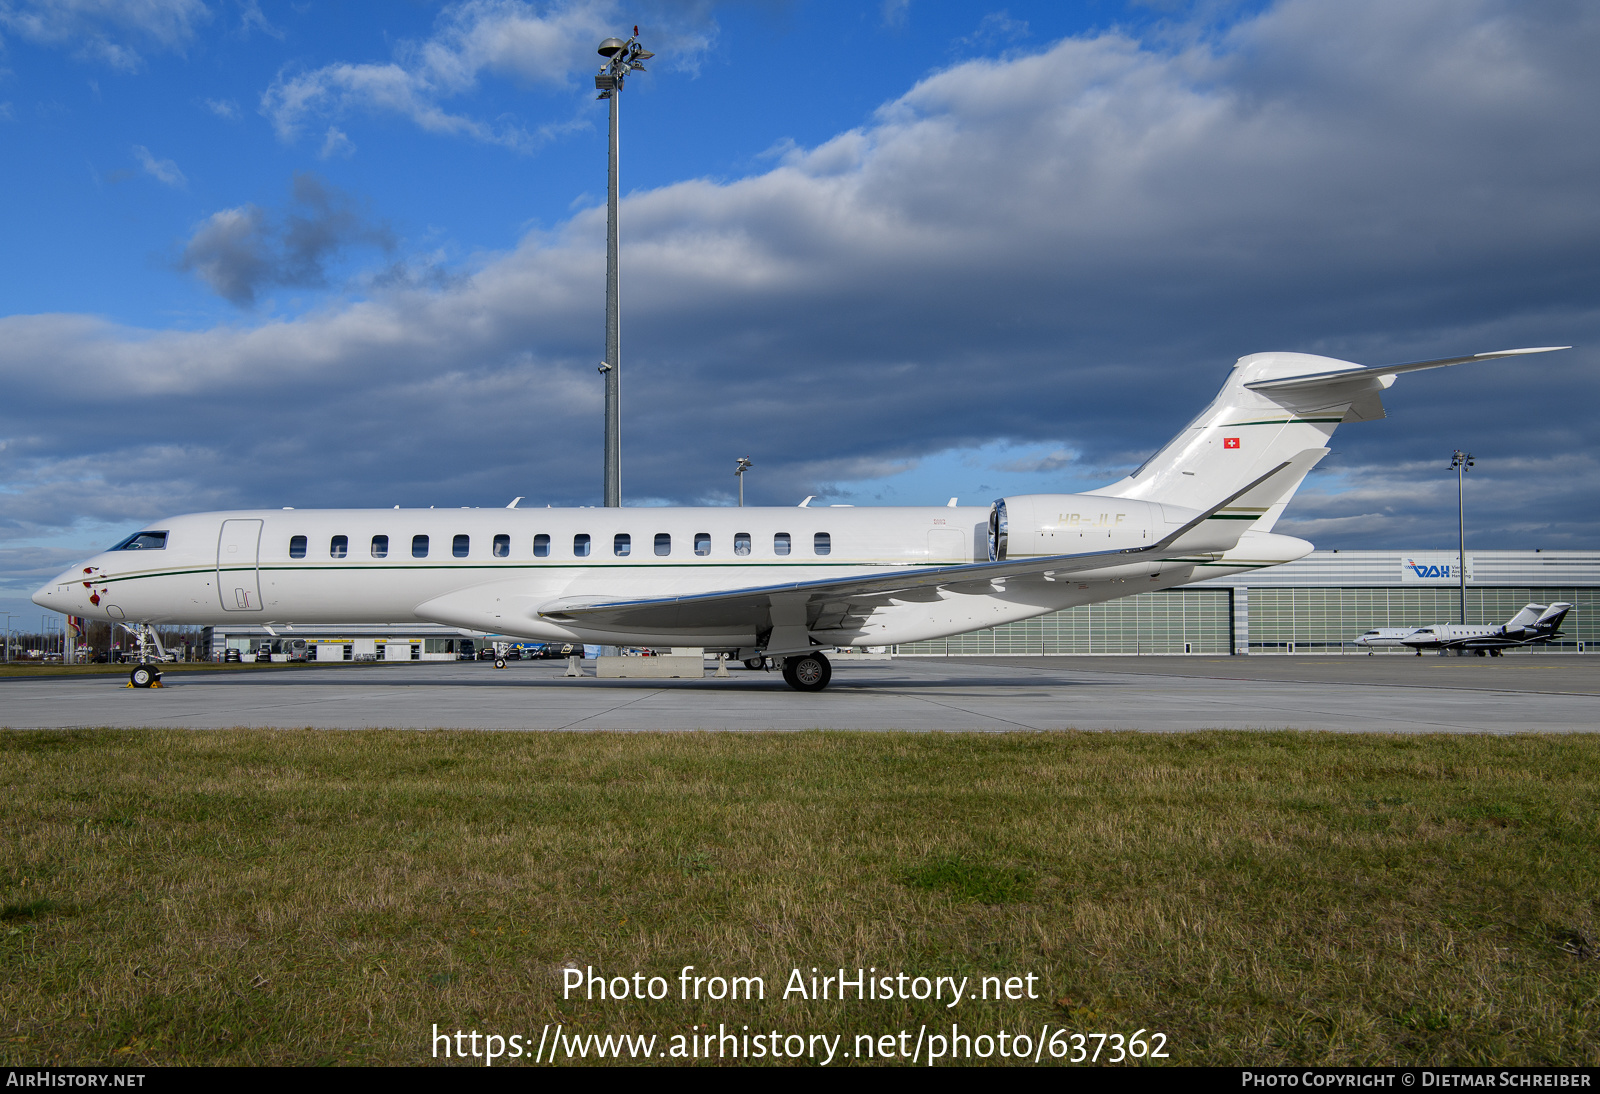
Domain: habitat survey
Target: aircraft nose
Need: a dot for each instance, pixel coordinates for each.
(56, 594)
(42, 595)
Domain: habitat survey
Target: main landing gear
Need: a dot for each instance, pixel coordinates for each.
(807, 672)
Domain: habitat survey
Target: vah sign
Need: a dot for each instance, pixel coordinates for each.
(1432, 568)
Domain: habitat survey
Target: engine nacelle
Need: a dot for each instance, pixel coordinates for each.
(1067, 524)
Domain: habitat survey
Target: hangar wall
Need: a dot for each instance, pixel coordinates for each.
(1315, 605)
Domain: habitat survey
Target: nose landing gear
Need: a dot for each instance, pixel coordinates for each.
(147, 673)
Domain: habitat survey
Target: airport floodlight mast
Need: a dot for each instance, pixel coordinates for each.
(738, 473)
(1461, 463)
(621, 59)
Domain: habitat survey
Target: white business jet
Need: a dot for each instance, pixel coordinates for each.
(762, 583)
(1534, 623)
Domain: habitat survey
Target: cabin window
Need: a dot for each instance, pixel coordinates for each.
(502, 546)
(780, 543)
(380, 546)
(580, 545)
(297, 546)
(702, 543)
(822, 543)
(663, 543)
(339, 546)
(419, 546)
(621, 544)
(741, 543)
(460, 546)
(541, 546)
(143, 541)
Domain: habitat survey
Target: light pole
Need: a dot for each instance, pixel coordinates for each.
(621, 59)
(8, 636)
(1461, 463)
(738, 473)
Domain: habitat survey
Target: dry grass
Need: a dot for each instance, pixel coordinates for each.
(239, 897)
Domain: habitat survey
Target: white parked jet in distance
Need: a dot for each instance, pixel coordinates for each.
(779, 583)
(1534, 623)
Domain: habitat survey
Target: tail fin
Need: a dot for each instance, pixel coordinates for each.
(1274, 407)
(1553, 616)
(1527, 617)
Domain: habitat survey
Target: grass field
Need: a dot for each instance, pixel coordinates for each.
(239, 897)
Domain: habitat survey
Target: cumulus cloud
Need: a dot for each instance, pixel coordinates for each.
(994, 30)
(336, 144)
(542, 45)
(241, 251)
(223, 108)
(1051, 461)
(251, 18)
(111, 31)
(164, 171)
(1061, 251)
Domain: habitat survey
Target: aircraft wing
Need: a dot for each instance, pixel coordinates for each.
(793, 609)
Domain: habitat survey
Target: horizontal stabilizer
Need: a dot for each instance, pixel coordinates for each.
(1264, 502)
(1342, 376)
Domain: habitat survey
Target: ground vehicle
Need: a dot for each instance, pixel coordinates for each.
(466, 650)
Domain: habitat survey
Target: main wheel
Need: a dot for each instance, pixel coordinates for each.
(143, 676)
(808, 672)
(755, 664)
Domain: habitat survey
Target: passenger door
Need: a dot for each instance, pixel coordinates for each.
(238, 566)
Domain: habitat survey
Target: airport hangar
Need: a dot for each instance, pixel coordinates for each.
(1314, 606)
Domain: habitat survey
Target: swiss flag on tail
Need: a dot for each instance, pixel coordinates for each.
(1230, 442)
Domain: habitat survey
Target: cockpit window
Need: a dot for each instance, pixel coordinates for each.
(143, 541)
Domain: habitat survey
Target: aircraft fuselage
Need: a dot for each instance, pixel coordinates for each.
(493, 569)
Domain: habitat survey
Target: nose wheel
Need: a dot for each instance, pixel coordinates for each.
(144, 676)
(807, 672)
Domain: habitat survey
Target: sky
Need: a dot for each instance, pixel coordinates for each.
(264, 254)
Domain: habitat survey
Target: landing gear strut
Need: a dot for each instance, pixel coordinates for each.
(147, 673)
(807, 672)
